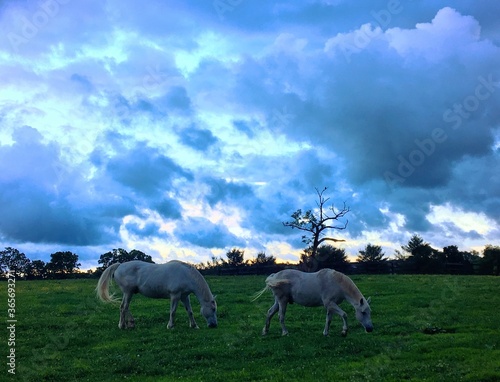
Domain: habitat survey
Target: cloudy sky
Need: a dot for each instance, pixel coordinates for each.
(186, 128)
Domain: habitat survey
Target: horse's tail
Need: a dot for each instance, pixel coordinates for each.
(257, 295)
(102, 289)
(271, 282)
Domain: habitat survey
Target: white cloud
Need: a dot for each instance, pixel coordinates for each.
(446, 35)
(466, 221)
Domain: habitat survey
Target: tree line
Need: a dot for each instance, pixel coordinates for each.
(62, 264)
(416, 256)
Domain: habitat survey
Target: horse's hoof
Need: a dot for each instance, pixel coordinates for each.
(284, 334)
(344, 333)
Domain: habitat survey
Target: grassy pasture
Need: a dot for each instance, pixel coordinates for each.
(426, 328)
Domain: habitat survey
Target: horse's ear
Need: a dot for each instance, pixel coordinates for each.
(369, 300)
(215, 297)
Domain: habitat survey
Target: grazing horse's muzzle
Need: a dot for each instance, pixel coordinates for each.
(369, 329)
(212, 325)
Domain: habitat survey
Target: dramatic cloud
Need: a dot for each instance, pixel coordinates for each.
(184, 130)
(203, 233)
(38, 205)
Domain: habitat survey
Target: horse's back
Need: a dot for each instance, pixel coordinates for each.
(153, 280)
(297, 286)
(131, 269)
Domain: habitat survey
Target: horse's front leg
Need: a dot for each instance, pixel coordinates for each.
(130, 320)
(334, 308)
(187, 304)
(343, 316)
(270, 313)
(174, 301)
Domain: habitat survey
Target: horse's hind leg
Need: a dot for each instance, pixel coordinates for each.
(126, 319)
(187, 305)
(282, 312)
(329, 315)
(270, 313)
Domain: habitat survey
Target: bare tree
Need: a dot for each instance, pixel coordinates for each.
(317, 222)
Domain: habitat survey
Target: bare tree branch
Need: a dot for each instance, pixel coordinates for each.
(329, 239)
(318, 222)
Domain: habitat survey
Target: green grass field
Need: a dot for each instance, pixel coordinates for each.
(427, 328)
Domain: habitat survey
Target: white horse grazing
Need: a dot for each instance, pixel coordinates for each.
(325, 287)
(175, 280)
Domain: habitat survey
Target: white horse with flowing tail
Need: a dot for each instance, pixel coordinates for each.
(175, 280)
(326, 287)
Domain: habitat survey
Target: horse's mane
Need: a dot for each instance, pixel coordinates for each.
(204, 289)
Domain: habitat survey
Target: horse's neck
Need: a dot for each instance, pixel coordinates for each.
(201, 289)
(351, 292)
(353, 298)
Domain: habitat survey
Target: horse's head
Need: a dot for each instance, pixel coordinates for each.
(209, 311)
(363, 314)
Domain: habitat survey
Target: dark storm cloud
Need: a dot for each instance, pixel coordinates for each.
(168, 208)
(148, 230)
(49, 201)
(477, 190)
(197, 138)
(400, 106)
(144, 170)
(85, 84)
(376, 108)
(38, 202)
(177, 99)
(245, 127)
(227, 192)
(203, 233)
